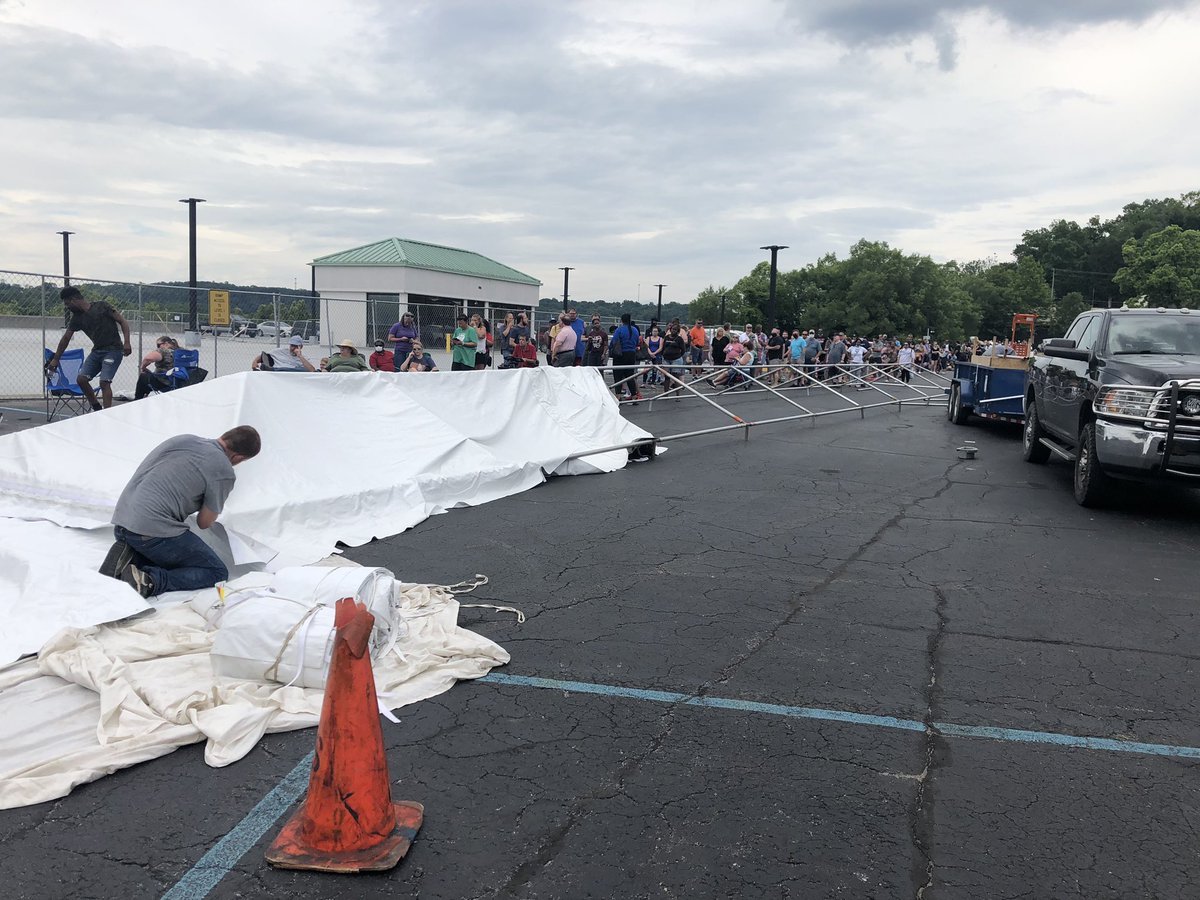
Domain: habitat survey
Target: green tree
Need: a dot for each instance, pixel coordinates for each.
(708, 305)
(1164, 267)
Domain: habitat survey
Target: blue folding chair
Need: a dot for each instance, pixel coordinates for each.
(60, 390)
(186, 370)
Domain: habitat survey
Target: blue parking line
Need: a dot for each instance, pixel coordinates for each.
(225, 854)
(949, 729)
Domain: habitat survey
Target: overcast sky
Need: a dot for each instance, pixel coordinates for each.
(639, 142)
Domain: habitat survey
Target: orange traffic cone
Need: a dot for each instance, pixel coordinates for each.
(348, 822)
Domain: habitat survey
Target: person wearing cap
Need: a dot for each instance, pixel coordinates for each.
(347, 359)
(381, 360)
(284, 359)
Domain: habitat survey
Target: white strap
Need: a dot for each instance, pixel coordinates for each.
(509, 609)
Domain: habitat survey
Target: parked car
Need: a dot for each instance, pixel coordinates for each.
(309, 329)
(238, 325)
(272, 329)
(1119, 397)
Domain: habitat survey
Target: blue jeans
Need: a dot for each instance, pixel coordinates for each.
(103, 363)
(179, 563)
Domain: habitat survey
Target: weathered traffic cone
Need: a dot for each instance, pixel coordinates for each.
(348, 822)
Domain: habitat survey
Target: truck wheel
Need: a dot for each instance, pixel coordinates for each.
(1032, 448)
(1091, 484)
(955, 411)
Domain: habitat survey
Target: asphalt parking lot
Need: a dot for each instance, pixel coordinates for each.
(831, 659)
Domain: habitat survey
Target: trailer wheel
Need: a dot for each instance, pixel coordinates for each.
(1092, 485)
(1032, 448)
(955, 411)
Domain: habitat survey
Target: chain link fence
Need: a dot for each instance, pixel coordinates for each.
(32, 318)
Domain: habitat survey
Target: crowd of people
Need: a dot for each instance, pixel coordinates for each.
(675, 349)
(719, 355)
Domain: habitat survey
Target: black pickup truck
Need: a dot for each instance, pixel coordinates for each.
(1119, 396)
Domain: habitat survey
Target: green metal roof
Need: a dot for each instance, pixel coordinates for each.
(419, 255)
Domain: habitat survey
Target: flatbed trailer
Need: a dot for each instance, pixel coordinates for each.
(993, 387)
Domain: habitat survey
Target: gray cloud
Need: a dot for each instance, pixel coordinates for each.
(672, 163)
(880, 22)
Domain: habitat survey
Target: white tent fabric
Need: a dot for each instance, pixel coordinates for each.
(103, 698)
(345, 458)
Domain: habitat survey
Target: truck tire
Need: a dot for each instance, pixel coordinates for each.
(1092, 485)
(955, 411)
(1032, 448)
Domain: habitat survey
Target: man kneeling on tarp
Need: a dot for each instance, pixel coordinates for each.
(155, 550)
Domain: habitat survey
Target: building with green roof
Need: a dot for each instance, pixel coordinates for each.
(362, 287)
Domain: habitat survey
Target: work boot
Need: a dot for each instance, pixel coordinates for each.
(138, 580)
(119, 555)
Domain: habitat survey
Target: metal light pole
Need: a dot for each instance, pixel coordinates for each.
(659, 319)
(774, 248)
(66, 256)
(566, 270)
(722, 321)
(193, 315)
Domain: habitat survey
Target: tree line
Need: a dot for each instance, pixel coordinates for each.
(1148, 255)
(163, 299)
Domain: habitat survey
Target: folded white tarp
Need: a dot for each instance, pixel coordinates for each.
(345, 458)
(103, 698)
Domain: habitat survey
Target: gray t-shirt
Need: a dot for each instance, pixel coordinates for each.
(282, 360)
(180, 475)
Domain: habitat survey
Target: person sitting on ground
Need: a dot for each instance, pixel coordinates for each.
(162, 358)
(418, 360)
(381, 360)
(524, 353)
(284, 359)
(155, 551)
(348, 359)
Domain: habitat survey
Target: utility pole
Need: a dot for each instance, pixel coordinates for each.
(193, 314)
(659, 319)
(66, 256)
(722, 322)
(774, 248)
(566, 270)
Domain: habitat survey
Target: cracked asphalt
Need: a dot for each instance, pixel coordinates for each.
(851, 564)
